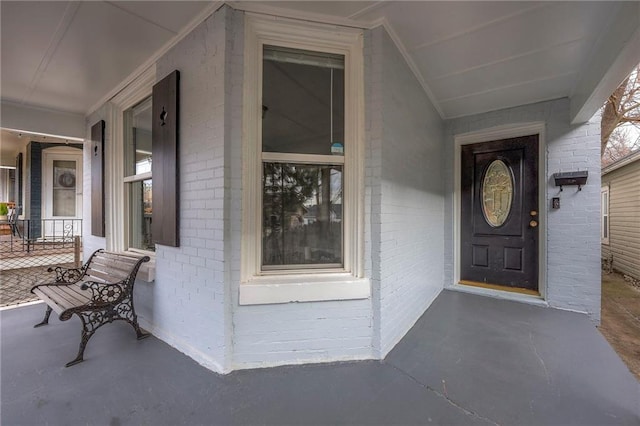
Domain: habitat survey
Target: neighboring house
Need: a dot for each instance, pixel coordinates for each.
(278, 117)
(43, 178)
(620, 224)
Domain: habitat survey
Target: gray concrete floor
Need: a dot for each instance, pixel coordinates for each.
(468, 360)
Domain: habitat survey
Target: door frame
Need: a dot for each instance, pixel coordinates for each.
(489, 135)
(61, 153)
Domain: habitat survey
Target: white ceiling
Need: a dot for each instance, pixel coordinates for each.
(470, 57)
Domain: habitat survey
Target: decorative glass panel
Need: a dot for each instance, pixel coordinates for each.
(302, 215)
(64, 188)
(497, 193)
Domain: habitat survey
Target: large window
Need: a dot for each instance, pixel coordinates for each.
(303, 123)
(137, 170)
(302, 157)
(604, 209)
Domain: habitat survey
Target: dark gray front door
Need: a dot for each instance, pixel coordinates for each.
(499, 213)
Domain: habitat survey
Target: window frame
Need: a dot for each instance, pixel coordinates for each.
(258, 286)
(116, 220)
(605, 212)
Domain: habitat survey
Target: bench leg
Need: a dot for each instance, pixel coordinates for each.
(45, 321)
(83, 344)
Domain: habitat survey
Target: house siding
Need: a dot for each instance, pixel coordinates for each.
(572, 232)
(624, 218)
(405, 190)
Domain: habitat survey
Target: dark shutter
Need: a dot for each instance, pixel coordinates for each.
(97, 179)
(165, 161)
(18, 183)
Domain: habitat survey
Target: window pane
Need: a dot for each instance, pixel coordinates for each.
(138, 139)
(140, 213)
(302, 215)
(605, 229)
(64, 188)
(302, 101)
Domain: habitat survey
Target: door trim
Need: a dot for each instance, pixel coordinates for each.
(489, 135)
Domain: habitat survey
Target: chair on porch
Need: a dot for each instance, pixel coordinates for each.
(14, 212)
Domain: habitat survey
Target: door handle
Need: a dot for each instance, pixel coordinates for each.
(533, 223)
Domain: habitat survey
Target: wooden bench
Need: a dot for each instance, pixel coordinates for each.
(99, 292)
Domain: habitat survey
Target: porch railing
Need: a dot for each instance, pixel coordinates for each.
(39, 237)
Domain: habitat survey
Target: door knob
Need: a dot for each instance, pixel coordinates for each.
(533, 223)
(533, 213)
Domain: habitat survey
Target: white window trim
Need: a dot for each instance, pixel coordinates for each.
(116, 222)
(256, 286)
(605, 190)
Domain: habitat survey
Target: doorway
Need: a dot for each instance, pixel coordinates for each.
(499, 214)
(61, 192)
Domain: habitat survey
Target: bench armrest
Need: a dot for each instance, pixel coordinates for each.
(68, 275)
(106, 293)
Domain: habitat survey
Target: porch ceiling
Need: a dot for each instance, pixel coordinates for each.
(470, 57)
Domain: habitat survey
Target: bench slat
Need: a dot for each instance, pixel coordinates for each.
(64, 297)
(118, 258)
(103, 276)
(114, 269)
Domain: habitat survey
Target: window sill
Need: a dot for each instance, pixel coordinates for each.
(303, 288)
(147, 271)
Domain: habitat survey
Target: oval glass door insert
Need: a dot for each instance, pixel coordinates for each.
(497, 193)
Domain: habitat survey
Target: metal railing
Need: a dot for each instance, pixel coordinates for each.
(29, 247)
(42, 235)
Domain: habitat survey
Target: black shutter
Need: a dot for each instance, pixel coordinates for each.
(97, 179)
(18, 183)
(165, 161)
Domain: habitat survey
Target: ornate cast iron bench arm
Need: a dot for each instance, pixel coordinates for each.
(98, 293)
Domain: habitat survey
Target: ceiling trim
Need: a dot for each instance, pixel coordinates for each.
(278, 12)
(412, 65)
(204, 14)
(367, 9)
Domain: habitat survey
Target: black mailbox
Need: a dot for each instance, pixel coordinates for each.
(571, 178)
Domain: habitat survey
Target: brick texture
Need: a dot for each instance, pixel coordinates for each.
(573, 231)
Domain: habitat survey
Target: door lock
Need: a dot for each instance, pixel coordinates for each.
(533, 213)
(533, 223)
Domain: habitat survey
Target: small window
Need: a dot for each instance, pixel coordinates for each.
(604, 223)
(137, 169)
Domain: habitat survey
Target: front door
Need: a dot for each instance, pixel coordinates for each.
(61, 192)
(499, 213)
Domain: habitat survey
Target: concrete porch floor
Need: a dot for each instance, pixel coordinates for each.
(468, 360)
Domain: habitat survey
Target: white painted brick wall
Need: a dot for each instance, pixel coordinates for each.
(186, 304)
(573, 231)
(289, 333)
(407, 194)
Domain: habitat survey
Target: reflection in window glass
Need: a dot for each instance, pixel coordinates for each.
(64, 188)
(302, 215)
(138, 141)
(302, 101)
(140, 208)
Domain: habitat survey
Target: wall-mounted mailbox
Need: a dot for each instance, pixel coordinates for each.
(571, 178)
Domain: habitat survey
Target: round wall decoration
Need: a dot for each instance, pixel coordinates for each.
(67, 180)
